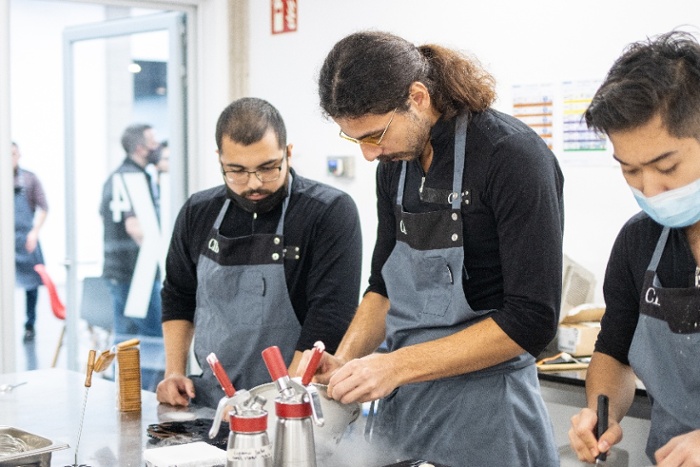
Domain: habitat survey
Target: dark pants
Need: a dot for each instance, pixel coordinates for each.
(32, 296)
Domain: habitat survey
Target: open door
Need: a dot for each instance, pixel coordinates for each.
(118, 73)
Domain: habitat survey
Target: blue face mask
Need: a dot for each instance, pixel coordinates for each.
(674, 208)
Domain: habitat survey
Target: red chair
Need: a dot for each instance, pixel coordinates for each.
(57, 306)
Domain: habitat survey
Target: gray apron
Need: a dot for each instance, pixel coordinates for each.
(243, 307)
(665, 352)
(25, 275)
(491, 417)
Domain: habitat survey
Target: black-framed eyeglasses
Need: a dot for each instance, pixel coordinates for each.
(264, 174)
(370, 140)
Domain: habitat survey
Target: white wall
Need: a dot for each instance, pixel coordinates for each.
(538, 41)
(36, 89)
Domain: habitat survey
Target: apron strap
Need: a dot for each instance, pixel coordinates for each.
(460, 149)
(658, 251)
(220, 217)
(285, 203)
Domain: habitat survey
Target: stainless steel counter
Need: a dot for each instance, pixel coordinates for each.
(50, 405)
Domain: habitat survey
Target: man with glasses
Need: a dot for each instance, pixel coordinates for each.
(268, 258)
(465, 285)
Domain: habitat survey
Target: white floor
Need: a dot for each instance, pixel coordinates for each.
(39, 354)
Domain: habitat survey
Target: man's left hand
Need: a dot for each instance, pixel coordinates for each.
(683, 450)
(364, 379)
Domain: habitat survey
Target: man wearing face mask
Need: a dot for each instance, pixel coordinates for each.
(267, 258)
(649, 106)
(129, 213)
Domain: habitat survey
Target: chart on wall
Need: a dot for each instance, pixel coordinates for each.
(555, 112)
(577, 96)
(534, 105)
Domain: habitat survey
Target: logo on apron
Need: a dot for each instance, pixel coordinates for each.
(214, 245)
(651, 298)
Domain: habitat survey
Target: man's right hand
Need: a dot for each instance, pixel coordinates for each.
(175, 390)
(326, 366)
(582, 436)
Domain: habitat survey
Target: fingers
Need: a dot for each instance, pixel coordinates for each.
(582, 437)
(175, 390)
(682, 450)
(359, 381)
(303, 364)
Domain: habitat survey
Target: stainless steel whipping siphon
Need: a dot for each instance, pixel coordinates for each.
(248, 442)
(295, 406)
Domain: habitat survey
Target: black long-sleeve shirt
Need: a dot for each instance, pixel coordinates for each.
(624, 279)
(323, 284)
(512, 226)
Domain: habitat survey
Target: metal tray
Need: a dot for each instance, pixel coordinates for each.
(39, 452)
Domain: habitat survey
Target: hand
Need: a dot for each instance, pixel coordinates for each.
(326, 366)
(32, 241)
(582, 437)
(364, 379)
(175, 390)
(683, 450)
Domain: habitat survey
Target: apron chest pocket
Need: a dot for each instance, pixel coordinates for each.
(434, 280)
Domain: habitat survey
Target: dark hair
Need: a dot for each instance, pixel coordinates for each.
(658, 76)
(246, 121)
(371, 73)
(133, 136)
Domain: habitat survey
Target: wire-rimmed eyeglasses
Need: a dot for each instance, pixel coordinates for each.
(264, 174)
(370, 140)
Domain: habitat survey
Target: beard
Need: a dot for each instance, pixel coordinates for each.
(417, 140)
(267, 204)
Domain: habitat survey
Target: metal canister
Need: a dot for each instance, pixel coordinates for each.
(294, 435)
(248, 442)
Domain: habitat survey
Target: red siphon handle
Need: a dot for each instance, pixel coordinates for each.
(274, 362)
(221, 375)
(317, 353)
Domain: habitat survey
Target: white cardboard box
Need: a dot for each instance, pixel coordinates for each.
(579, 330)
(197, 454)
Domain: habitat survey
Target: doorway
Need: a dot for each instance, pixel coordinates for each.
(118, 74)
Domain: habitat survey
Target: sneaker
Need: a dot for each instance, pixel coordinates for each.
(28, 335)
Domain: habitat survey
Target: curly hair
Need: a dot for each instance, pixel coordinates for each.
(371, 73)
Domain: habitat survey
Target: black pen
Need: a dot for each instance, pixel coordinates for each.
(602, 426)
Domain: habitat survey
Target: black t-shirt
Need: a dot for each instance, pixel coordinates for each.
(323, 284)
(120, 250)
(624, 278)
(513, 223)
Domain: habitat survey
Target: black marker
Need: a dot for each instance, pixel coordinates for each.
(602, 426)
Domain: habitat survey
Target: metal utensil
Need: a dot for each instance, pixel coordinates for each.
(88, 383)
(9, 387)
(602, 426)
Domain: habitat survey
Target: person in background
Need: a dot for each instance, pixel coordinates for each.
(163, 164)
(465, 285)
(649, 106)
(158, 163)
(31, 209)
(267, 258)
(126, 195)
